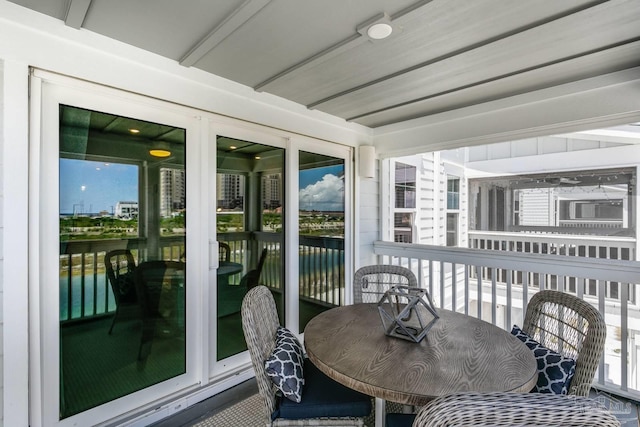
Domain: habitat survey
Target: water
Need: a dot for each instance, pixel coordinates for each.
(98, 298)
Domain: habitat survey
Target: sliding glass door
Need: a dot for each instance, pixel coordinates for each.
(117, 329)
(321, 218)
(250, 207)
(155, 220)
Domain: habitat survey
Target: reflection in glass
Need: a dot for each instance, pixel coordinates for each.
(121, 210)
(321, 245)
(249, 206)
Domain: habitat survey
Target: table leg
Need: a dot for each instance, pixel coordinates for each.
(380, 412)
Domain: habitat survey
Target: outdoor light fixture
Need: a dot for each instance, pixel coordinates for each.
(379, 31)
(157, 152)
(160, 149)
(377, 28)
(367, 161)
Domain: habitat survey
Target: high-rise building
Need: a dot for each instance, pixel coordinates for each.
(272, 191)
(172, 191)
(230, 190)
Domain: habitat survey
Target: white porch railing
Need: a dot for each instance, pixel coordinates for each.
(610, 247)
(497, 285)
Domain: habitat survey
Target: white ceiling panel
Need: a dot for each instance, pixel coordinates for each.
(431, 33)
(167, 27)
(442, 54)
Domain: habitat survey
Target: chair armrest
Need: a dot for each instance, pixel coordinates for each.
(514, 409)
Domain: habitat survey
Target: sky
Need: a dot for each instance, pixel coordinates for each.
(322, 189)
(91, 187)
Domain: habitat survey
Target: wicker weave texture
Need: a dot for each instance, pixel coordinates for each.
(513, 409)
(372, 281)
(571, 327)
(259, 324)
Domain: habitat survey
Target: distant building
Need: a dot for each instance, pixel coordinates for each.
(172, 191)
(272, 191)
(230, 190)
(126, 209)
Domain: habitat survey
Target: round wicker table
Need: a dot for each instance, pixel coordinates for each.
(459, 353)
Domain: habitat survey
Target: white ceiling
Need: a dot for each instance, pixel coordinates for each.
(442, 54)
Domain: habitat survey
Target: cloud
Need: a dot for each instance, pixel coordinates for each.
(324, 195)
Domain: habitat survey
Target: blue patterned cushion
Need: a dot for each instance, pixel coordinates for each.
(285, 365)
(554, 370)
(323, 397)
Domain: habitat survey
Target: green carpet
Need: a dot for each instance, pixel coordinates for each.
(98, 367)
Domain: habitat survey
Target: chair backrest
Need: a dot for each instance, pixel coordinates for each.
(572, 327)
(224, 252)
(252, 278)
(372, 281)
(120, 267)
(509, 409)
(259, 324)
(152, 278)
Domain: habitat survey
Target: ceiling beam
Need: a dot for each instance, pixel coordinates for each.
(335, 50)
(76, 12)
(234, 21)
(633, 43)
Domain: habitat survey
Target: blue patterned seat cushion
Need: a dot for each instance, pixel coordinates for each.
(323, 397)
(285, 365)
(554, 370)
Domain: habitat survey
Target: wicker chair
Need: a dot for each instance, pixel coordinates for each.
(371, 282)
(572, 327)
(259, 324)
(120, 267)
(252, 278)
(512, 409)
(566, 324)
(160, 290)
(224, 252)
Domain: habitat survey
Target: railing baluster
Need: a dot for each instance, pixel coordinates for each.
(454, 287)
(509, 304)
(442, 284)
(601, 307)
(431, 277)
(95, 283)
(466, 289)
(479, 292)
(525, 291)
(624, 326)
(494, 295)
(70, 287)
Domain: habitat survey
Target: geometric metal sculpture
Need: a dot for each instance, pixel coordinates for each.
(407, 313)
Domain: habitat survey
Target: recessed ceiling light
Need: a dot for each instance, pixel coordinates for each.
(132, 130)
(257, 157)
(379, 31)
(232, 147)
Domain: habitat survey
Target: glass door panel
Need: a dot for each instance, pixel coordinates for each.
(249, 229)
(321, 202)
(122, 287)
